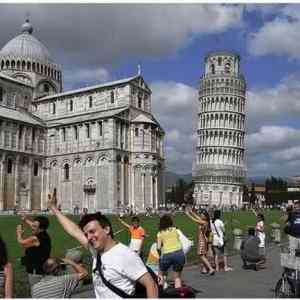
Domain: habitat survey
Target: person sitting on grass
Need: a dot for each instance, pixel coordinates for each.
(250, 253)
(55, 283)
(6, 273)
(137, 234)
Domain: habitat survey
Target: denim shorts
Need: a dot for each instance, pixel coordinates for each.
(175, 259)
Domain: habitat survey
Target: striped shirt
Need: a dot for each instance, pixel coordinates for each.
(2, 281)
(55, 286)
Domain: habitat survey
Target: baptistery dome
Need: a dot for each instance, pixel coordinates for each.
(25, 58)
(26, 46)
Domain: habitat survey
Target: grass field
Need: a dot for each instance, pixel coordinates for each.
(61, 241)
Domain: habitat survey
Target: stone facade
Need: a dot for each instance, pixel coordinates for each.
(219, 168)
(99, 146)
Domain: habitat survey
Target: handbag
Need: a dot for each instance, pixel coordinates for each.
(185, 242)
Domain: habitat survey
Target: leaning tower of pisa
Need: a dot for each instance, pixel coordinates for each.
(219, 168)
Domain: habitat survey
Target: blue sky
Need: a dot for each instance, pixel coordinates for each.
(96, 43)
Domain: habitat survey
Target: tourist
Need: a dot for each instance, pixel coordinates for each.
(56, 284)
(219, 247)
(112, 261)
(250, 253)
(6, 273)
(37, 246)
(170, 250)
(204, 230)
(137, 234)
(292, 228)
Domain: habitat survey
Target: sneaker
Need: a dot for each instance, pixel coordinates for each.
(228, 269)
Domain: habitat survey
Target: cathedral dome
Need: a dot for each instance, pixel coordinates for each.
(26, 46)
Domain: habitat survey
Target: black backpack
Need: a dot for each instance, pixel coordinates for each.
(140, 290)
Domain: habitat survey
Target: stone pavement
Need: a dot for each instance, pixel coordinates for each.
(238, 283)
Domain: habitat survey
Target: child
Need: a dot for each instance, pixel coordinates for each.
(137, 234)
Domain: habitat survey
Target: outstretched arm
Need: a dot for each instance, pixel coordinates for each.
(254, 211)
(124, 223)
(69, 226)
(79, 269)
(195, 218)
(26, 220)
(31, 241)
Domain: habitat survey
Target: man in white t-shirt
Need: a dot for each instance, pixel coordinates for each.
(119, 265)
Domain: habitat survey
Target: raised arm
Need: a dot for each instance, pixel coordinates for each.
(195, 218)
(69, 226)
(254, 211)
(79, 269)
(26, 220)
(124, 223)
(31, 241)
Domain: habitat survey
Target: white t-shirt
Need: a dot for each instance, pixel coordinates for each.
(261, 235)
(121, 267)
(218, 238)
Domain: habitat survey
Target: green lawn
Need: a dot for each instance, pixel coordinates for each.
(61, 241)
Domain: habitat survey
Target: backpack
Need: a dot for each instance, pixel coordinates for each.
(183, 292)
(294, 226)
(140, 290)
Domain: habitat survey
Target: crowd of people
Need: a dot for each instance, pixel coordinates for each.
(120, 271)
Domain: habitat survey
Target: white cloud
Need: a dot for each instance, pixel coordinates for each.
(82, 77)
(277, 104)
(175, 106)
(98, 34)
(280, 36)
(270, 138)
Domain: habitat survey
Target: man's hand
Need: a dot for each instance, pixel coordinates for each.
(51, 203)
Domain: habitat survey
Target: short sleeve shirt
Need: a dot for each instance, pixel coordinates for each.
(137, 233)
(121, 267)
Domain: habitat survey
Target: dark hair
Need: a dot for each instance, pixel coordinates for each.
(102, 220)
(44, 222)
(52, 266)
(135, 219)
(165, 222)
(217, 215)
(3, 253)
(251, 231)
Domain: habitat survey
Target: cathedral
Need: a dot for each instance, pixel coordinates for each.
(100, 147)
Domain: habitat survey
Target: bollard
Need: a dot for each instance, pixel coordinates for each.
(276, 233)
(238, 237)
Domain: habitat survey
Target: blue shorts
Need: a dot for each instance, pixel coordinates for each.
(175, 259)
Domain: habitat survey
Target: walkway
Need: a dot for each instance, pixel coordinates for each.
(239, 283)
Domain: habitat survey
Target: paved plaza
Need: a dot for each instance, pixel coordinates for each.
(239, 283)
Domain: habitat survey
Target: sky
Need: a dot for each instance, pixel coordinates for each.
(96, 43)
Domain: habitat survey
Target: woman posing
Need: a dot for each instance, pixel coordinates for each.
(204, 230)
(170, 250)
(6, 273)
